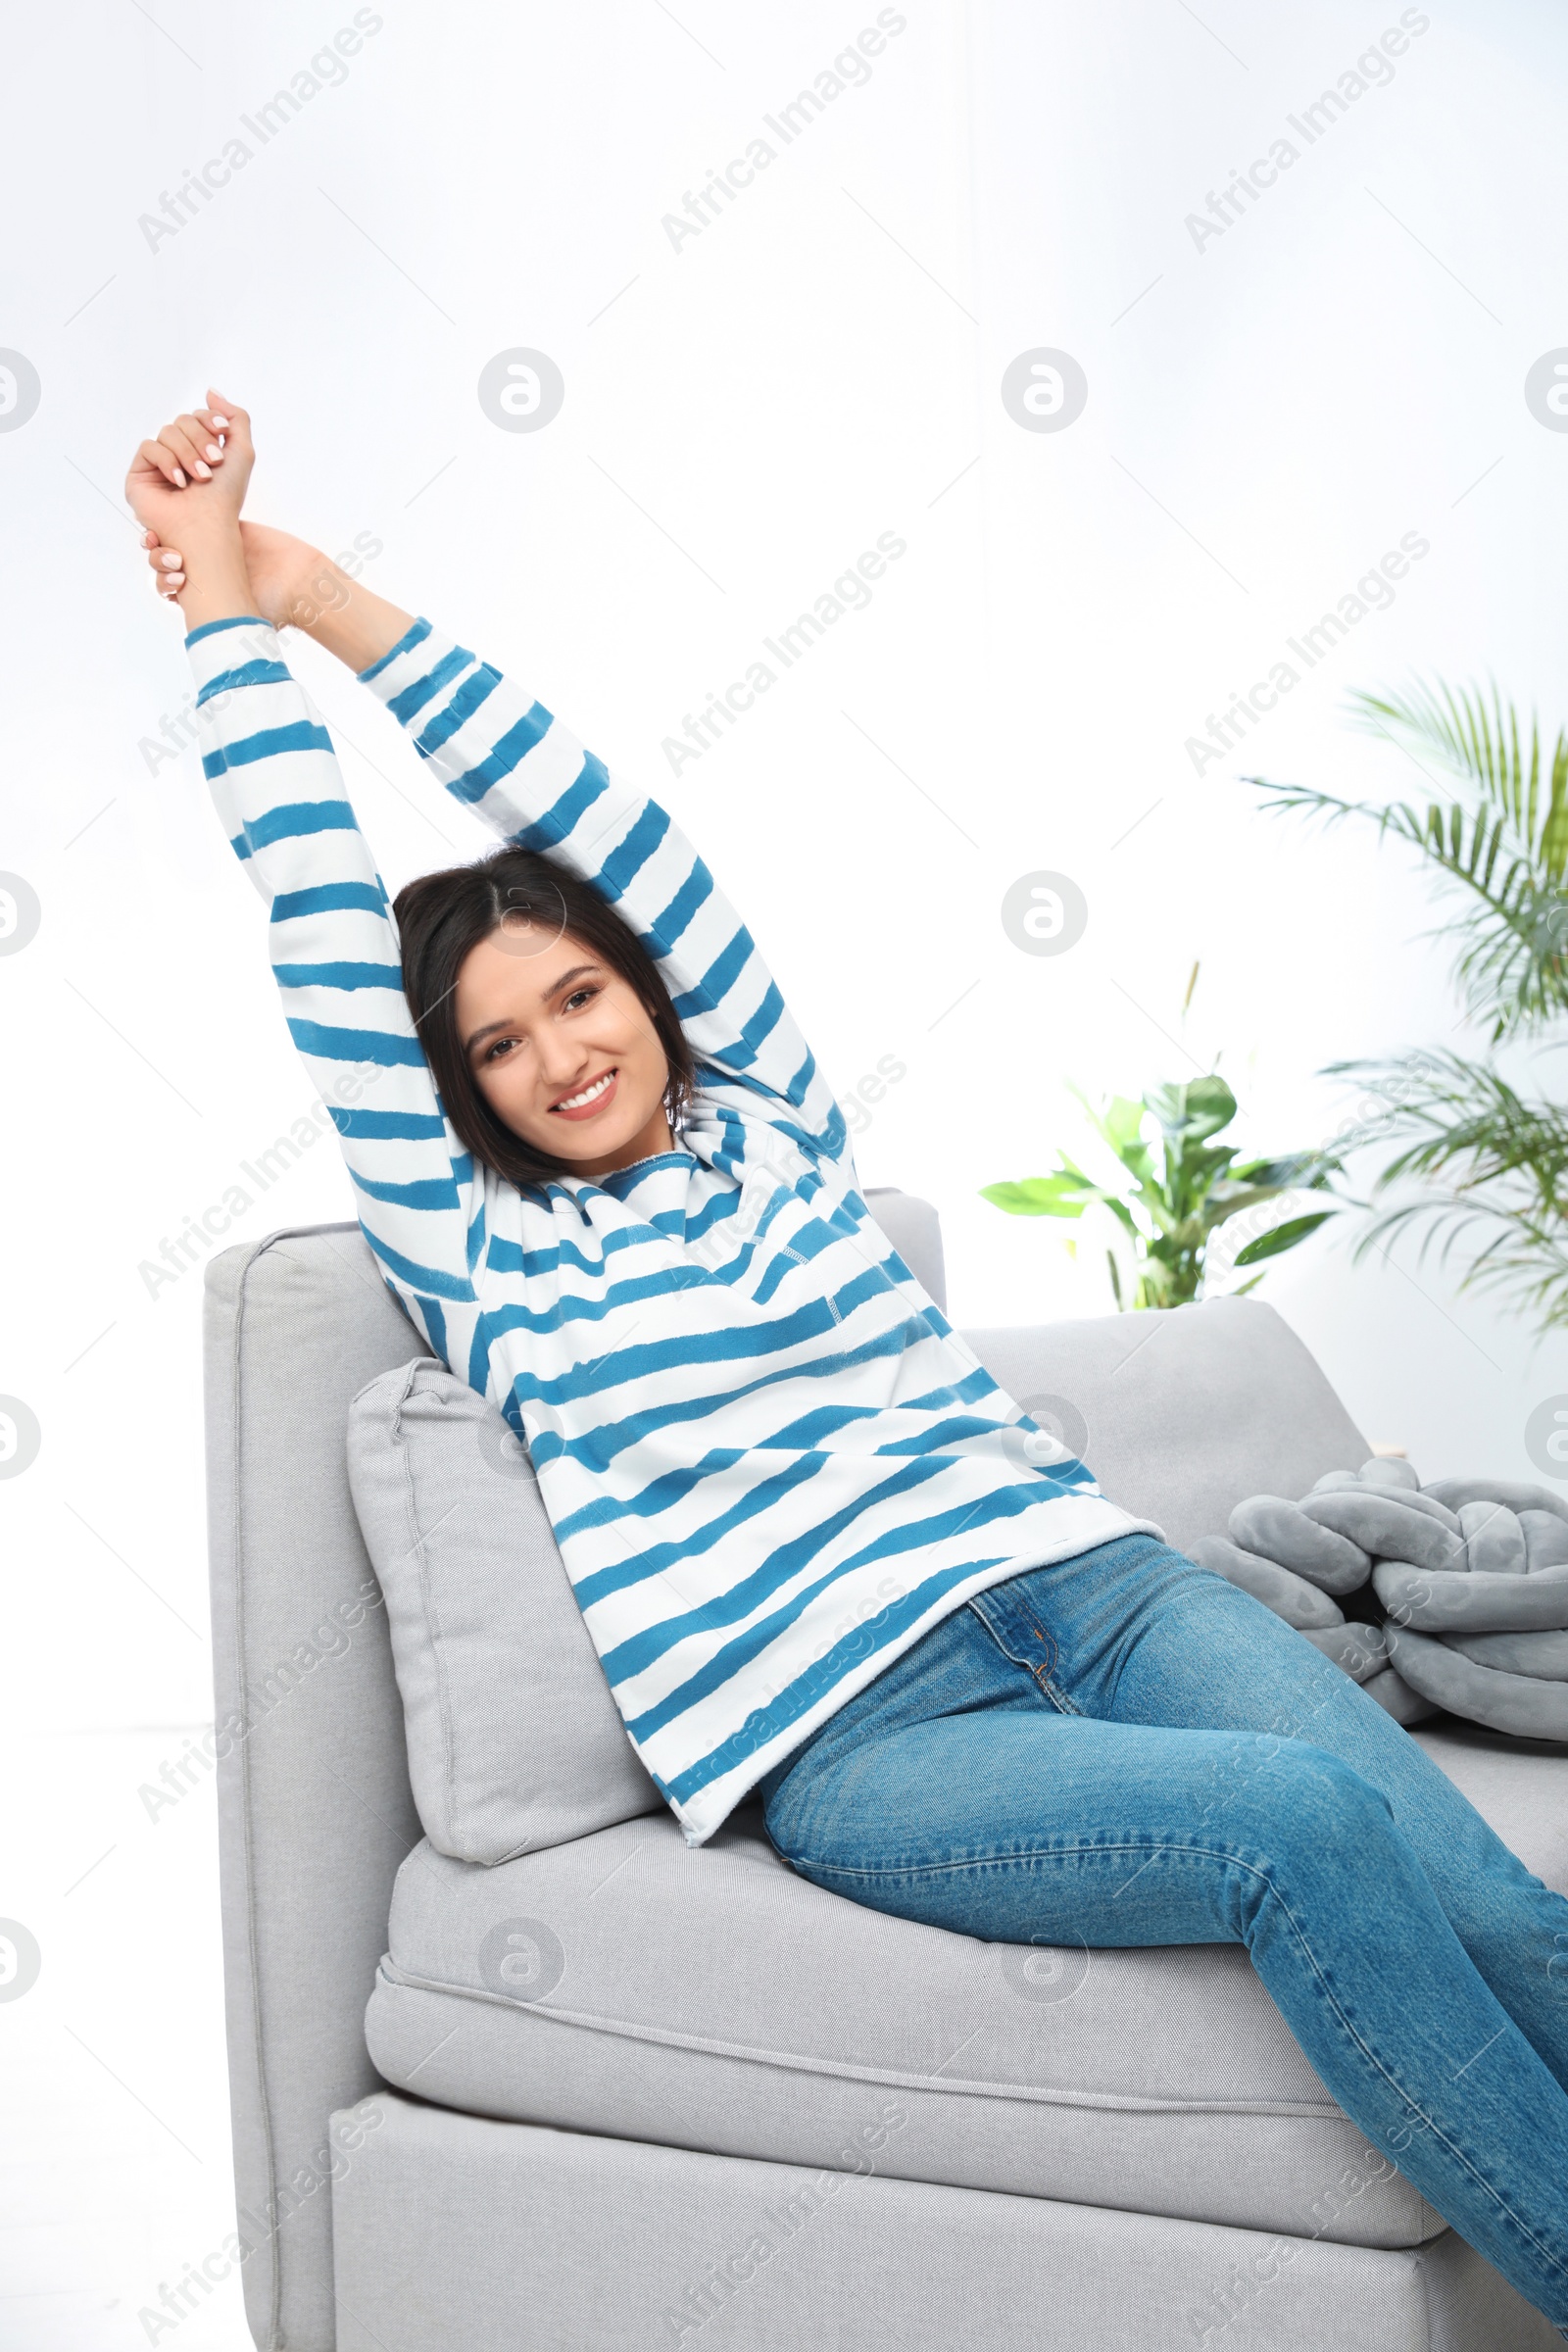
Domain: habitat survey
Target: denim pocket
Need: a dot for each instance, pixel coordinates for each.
(1021, 1632)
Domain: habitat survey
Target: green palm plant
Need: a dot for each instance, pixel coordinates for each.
(1487, 1163)
(1177, 1192)
(1495, 1166)
(1501, 842)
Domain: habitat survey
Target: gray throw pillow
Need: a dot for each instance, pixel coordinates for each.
(1358, 1651)
(1529, 1707)
(1544, 1655)
(1481, 1604)
(513, 1739)
(1290, 1597)
(1471, 1575)
(1274, 1529)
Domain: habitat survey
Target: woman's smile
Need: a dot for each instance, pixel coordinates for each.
(589, 1100)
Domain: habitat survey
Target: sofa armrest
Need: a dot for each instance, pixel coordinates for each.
(315, 1812)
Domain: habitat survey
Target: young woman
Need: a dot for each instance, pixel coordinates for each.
(820, 1553)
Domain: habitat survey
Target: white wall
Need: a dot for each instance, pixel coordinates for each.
(745, 412)
(1341, 366)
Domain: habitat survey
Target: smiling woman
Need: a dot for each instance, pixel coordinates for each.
(547, 1028)
(603, 1172)
(604, 1176)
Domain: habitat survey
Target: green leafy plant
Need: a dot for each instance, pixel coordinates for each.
(1180, 1187)
(1487, 1161)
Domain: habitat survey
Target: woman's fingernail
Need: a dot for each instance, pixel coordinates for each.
(179, 479)
(204, 473)
(169, 560)
(219, 424)
(177, 579)
(212, 451)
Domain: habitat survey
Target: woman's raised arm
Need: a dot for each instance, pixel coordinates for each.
(275, 778)
(507, 758)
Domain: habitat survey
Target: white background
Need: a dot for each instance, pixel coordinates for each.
(743, 414)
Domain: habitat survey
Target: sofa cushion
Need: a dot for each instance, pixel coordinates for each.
(627, 1984)
(513, 1739)
(713, 1999)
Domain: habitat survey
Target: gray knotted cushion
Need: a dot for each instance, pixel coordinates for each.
(1472, 1605)
(1277, 1530)
(1493, 1539)
(1514, 1494)
(1386, 1525)
(1519, 1703)
(1472, 1575)
(1305, 1607)
(1361, 1651)
(1399, 1699)
(1543, 1655)
(1545, 1540)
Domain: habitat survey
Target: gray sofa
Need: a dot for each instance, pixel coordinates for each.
(751, 2113)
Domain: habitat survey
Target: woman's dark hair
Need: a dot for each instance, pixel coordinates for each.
(441, 916)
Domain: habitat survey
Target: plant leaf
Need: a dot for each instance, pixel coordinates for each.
(1297, 1171)
(1283, 1237)
(1123, 1121)
(1058, 1196)
(1195, 1110)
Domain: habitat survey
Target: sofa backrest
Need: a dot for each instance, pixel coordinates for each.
(914, 1229)
(1183, 1415)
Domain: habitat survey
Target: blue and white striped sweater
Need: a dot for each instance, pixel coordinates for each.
(768, 1460)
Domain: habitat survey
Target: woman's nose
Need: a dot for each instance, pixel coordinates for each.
(560, 1061)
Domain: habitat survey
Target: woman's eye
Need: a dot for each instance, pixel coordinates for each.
(501, 1046)
(580, 997)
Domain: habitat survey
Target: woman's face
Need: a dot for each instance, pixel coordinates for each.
(563, 1047)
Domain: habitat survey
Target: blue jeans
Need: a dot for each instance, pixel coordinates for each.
(1124, 1749)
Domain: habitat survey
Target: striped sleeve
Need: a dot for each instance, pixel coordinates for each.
(275, 778)
(507, 758)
